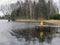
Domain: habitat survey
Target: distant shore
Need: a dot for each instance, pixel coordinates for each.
(49, 21)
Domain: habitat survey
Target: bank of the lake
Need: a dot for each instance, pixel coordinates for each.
(49, 21)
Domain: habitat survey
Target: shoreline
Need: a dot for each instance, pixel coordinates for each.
(49, 21)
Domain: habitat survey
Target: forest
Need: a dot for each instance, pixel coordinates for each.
(35, 9)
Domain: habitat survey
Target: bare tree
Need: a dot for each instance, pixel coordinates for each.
(37, 10)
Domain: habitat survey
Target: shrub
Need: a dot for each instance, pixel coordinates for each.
(55, 16)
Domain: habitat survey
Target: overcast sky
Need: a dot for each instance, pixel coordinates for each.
(13, 1)
(9, 1)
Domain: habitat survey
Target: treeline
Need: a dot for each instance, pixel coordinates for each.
(34, 10)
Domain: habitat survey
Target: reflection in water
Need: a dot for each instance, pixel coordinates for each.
(23, 25)
(7, 39)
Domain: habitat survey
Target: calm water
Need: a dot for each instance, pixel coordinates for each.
(7, 39)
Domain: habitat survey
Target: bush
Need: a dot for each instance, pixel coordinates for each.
(55, 16)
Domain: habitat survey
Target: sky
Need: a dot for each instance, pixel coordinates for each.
(12, 1)
(3, 2)
(7, 1)
(1, 14)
